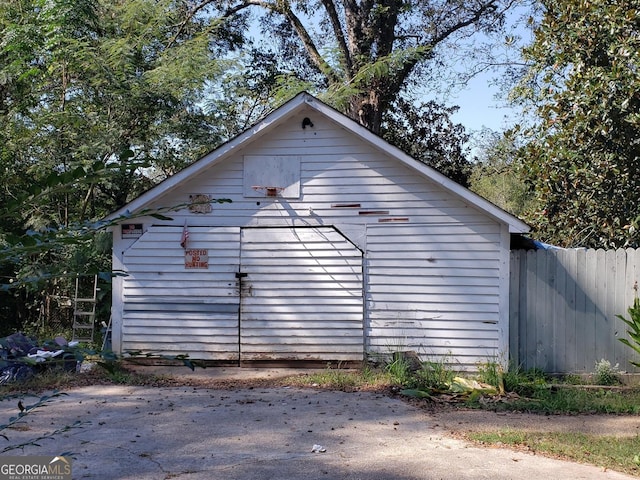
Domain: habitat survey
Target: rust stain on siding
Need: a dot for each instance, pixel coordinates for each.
(373, 212)
(345, 205)
(393, 219)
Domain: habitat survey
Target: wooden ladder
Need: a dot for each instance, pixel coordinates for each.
(84, 308)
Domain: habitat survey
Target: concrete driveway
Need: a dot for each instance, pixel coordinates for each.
(190, 433)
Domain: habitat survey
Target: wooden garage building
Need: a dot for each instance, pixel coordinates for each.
(335, 246)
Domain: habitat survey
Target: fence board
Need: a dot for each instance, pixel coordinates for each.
(619, 304)
(606, 319)
(530, 310)
(581, 337)
(563, 308)
(571, 269)
(559, 307)
(514, 308)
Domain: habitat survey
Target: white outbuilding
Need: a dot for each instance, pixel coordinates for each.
(335, 246)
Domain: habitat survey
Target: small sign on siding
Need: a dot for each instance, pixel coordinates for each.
(132, 230)
(196, 258)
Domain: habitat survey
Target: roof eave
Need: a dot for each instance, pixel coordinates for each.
(143, 201)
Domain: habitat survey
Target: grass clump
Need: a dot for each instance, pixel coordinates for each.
(616, 453)
(344, 379)
(399, 371)
(492, 374)
(525, 382)
(434, 375)
(558, 399)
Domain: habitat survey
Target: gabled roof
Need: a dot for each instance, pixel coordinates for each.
(289, 109)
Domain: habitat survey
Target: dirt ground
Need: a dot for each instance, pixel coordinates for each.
(457, 420)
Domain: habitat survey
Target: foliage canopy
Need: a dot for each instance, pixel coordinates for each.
(98, 101)
(583, 160)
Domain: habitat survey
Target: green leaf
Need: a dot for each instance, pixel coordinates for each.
(415, 393)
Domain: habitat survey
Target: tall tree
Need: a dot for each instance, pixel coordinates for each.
(363, 52)
(584, 157)
(245, 93)
(114, 83)
(98, 100)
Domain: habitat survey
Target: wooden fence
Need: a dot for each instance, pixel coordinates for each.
(563, 307)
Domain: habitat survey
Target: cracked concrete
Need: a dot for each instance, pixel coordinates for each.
(193, 433)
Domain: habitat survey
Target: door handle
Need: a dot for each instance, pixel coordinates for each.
(241, 274)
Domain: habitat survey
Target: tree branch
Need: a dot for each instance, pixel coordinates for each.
(192, 13)
(428, 47)
(283, 7)
(314, 55)
(227, 13)
(477, 15)
(330, 7)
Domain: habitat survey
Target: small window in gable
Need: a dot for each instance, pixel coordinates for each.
(270, 176)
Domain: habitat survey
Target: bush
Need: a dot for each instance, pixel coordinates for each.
(606, 374)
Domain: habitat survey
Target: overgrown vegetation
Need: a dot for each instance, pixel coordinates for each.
(606, 374)
(491, 387)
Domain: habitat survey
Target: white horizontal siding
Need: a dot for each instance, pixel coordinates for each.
(170, 310)
(434, 269)
(309, 307)
(335, 168)
(435, 289)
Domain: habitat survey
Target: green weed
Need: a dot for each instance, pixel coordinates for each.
(492, 373)
(399, 371)
(606, 374)
(434, 375)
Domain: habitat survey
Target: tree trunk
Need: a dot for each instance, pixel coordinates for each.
(366, 108)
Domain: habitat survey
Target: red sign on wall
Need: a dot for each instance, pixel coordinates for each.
(196, 258)
(131, 230)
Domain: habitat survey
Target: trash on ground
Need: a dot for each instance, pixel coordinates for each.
(22, 357)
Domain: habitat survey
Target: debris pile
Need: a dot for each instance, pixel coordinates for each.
(22, 357)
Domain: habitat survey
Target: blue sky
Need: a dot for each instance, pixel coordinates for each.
(479, 108)
(479, 102)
